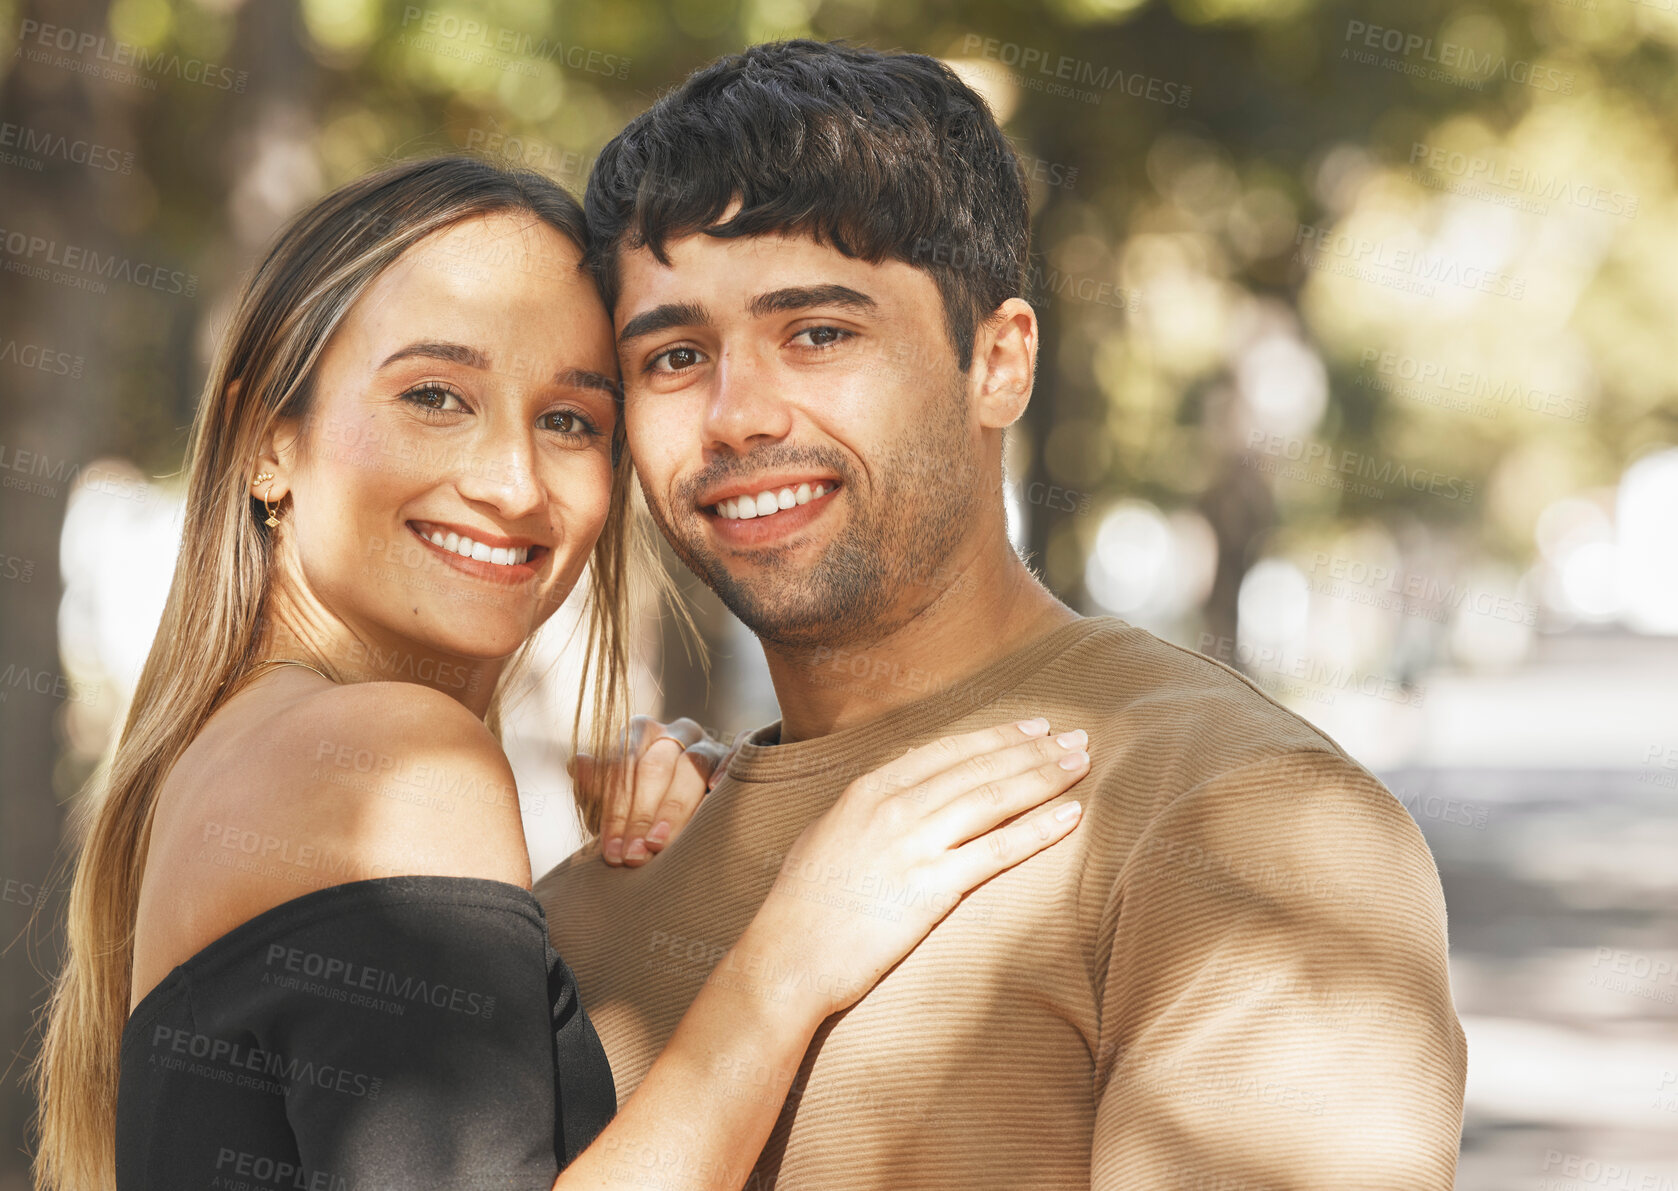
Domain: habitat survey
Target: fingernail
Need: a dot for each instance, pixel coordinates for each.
(614, 849)
(1036, 727)
(660, 831)
(1075, 739)
(1075, 760)
(637, 850)
(1067, 810)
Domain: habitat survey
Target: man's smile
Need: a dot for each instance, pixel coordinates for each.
(753, 511)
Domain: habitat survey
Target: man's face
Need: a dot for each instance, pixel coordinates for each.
(762, 371)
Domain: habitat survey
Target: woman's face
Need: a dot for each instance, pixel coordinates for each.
(467, 397)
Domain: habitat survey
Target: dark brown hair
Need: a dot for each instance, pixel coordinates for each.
(881, 155)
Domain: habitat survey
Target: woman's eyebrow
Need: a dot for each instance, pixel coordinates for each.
(471, 357)
(454, 353)
(583, 378)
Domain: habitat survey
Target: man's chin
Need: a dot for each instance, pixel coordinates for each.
(798, 611)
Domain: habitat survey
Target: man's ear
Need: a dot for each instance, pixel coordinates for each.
(1005, 363)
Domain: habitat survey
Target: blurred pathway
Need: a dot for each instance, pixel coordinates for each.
(1562, 894)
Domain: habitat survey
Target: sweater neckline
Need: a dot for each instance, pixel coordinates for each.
(758, 763)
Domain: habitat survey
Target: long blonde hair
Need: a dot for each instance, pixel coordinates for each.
(211, 628)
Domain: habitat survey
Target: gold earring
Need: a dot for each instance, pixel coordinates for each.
(269, 476)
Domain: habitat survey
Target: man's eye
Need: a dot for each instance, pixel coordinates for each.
(675, 360)
(819, 337)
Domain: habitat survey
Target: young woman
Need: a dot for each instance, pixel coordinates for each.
(303, 948)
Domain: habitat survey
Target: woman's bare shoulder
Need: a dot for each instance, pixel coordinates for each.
(344, 783)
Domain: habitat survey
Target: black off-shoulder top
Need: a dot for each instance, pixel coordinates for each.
(396, 1034)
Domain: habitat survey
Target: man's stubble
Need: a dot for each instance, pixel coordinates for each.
(879, 572)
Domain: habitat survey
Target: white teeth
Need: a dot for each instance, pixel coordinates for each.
(505, 556)
(742, 508)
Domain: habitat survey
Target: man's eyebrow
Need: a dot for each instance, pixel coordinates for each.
(662, 318)
(454, 353)
(801, 297)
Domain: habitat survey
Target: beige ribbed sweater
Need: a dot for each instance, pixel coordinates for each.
(1230, 977)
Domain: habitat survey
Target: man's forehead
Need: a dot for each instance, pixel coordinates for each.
(701, 252)
(745, 274)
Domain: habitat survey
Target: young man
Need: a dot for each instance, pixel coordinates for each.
(1233, 974)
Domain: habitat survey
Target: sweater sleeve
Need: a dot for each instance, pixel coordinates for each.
(414, 1041)
(1276, 1011)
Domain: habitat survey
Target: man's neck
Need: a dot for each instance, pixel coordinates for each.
(984, 612)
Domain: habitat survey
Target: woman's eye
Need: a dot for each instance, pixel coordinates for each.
(431, 397)
(823, 336)
(676, 359)
(569, 423)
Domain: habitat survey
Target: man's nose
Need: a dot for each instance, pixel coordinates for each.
(746, 406)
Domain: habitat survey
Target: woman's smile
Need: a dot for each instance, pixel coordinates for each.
(481, 553)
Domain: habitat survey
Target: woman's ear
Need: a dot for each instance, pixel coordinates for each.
(275, 456)
(1005, 358)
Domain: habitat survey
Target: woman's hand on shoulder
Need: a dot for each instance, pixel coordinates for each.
(900, 847)
(651, 786)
